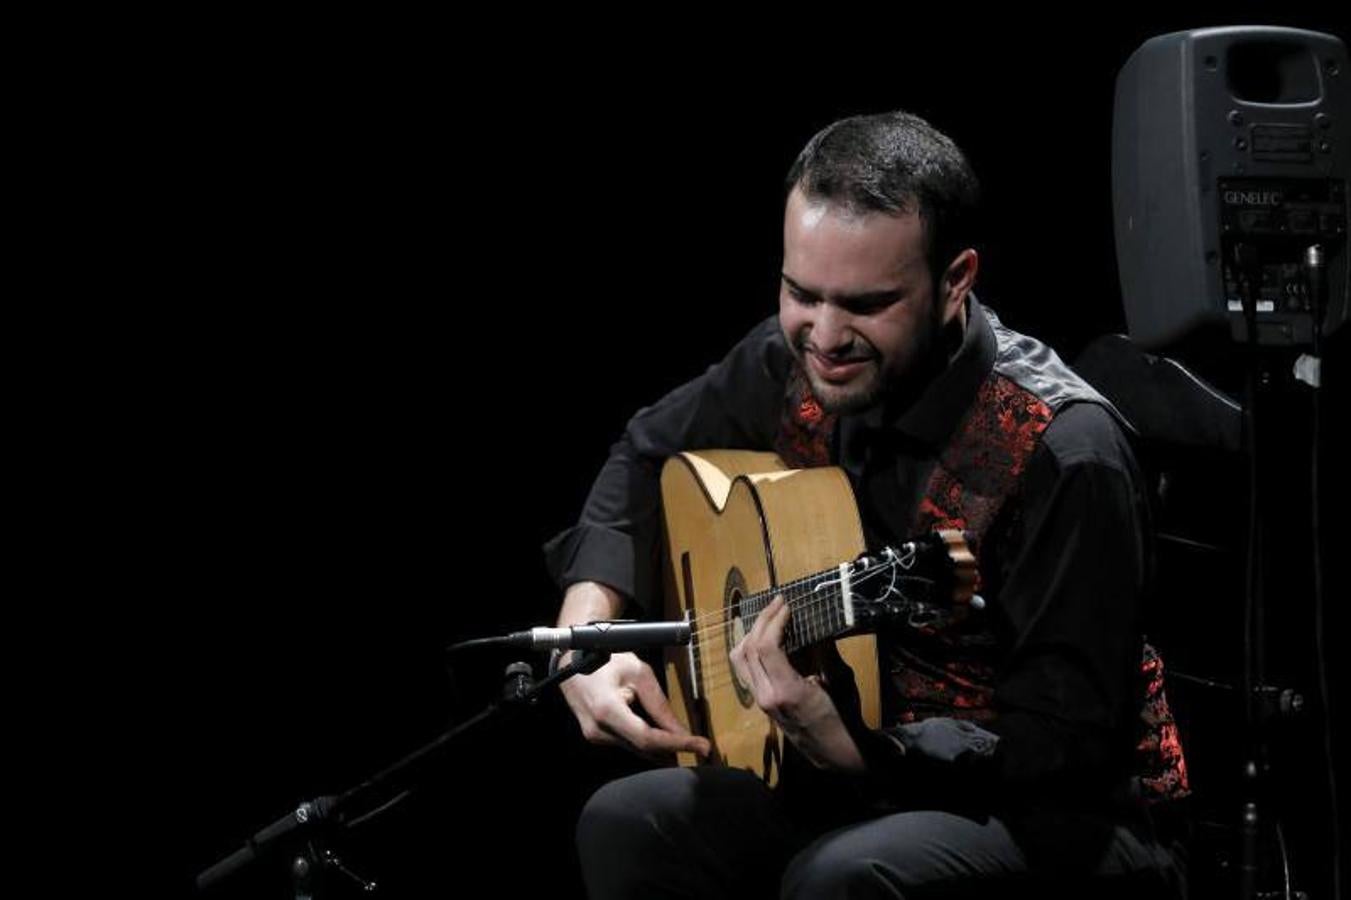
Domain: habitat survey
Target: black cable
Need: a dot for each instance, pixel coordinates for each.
(382, 808)
(1250, 272)
(1246, 258)
(1285, 862)
(1315, 266)
(477, 642)
(1204, 682)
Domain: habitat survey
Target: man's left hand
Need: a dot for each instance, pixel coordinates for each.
(800, 705)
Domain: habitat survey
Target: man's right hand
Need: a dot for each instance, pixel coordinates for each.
(603, 703)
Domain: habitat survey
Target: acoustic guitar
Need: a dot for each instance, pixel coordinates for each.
(742, 528)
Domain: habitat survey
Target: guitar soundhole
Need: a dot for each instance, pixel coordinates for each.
(733, 630)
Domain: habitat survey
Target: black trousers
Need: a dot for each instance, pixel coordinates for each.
(714, 832)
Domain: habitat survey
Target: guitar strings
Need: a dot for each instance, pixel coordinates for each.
(811, 608)
(716, 668)
(797, 589)
(803, 596)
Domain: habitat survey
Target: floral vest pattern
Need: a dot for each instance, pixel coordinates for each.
(949, 669)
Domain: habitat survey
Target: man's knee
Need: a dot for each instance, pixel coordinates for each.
(847, 863)
(823, 874)
(620, 814)
(904, 855)
(680, 832)
(619, 844)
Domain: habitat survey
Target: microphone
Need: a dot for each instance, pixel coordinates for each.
(603, 636)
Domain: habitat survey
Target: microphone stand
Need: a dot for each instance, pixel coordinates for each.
(307, 830)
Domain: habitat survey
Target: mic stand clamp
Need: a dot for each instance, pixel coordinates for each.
(311, 867)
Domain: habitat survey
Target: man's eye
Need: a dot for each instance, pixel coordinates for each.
(869, 307)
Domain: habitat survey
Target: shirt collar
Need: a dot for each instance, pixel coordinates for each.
(933, 415)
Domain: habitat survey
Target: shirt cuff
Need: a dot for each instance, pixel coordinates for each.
(591, 553)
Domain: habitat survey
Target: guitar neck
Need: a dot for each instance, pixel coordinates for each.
(821, 607)
(932, 575)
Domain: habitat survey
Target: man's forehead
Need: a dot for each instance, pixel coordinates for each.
(823, 235)
(812, 213)
(805, 219)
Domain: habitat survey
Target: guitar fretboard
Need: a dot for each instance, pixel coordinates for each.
(821, 606)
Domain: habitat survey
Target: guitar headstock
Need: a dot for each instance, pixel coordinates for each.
(920, 582)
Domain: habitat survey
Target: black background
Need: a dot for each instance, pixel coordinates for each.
(419, 276)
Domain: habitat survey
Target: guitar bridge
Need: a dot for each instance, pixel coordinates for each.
(692, 650)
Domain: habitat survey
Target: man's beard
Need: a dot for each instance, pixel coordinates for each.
(926, 357)
(859, 394)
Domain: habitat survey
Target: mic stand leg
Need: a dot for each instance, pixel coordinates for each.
(312, 820)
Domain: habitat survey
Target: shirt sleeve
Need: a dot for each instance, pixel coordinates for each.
(735, 404)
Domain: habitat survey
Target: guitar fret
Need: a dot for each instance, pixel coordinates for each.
(817, 604)
(811, 603)
(806, 620)
(826, 613)
(803, 617)
(801, 612)
(816, 610)
(826, 604)
(809, 619)
(816, 618)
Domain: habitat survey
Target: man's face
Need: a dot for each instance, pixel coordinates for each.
(856, 301)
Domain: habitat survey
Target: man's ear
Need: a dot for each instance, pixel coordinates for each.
(957, 282)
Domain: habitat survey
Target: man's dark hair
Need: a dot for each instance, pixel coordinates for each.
(895, 163)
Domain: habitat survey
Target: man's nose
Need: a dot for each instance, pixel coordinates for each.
(831, 330)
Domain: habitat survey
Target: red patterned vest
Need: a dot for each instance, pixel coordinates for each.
(949, 669)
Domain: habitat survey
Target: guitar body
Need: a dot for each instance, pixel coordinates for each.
(740, 523)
